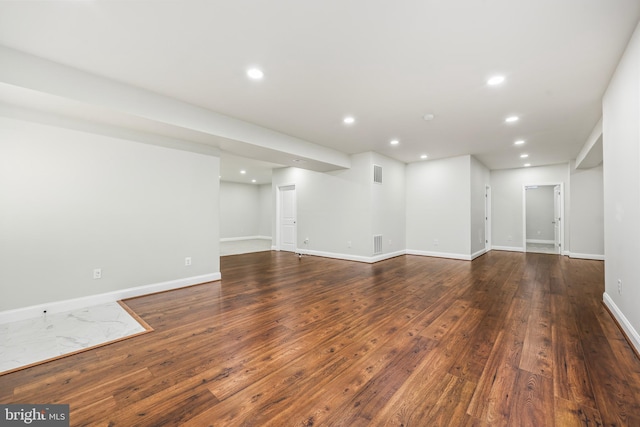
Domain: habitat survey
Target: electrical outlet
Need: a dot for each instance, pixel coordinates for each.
(97, 273)
(435, 242)
(187, 261)
(306, 240)
(349, 243)
(620, 286)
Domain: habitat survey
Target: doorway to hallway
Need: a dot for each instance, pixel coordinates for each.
(543, 218)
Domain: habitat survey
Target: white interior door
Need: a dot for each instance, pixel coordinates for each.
(287, 220)
(557, 203)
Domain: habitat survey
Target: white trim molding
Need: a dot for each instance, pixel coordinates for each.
(624, 323)
(545, 242)
(382, 257)
(507, 248)
(586, 256)
(348, 257)
(449, 255)
(91, 300)
(479, 253)
(237, 239)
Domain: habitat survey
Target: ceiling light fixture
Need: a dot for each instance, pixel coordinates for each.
(512, 119)
(519, 142)
(349, 120)
(243, 171)
(255, 73)
(394, 142)
(424, 156)
(495, 80)
(526, 165)
(428, 117)
(253, 180)
(524, 156)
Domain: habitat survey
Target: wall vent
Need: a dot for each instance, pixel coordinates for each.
(377, 174)
(377, 244)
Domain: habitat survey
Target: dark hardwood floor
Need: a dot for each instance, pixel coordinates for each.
(508, 339)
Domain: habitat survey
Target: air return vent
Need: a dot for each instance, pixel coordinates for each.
(377, 244)
(377, 174)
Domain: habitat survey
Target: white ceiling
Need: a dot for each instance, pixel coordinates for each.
(386, 63)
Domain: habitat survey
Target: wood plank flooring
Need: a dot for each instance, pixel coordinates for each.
(509, 339)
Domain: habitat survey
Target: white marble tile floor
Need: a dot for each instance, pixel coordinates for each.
(30, 341)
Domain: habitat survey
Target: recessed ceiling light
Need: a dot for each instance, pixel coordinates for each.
(524, 156)
(424, 156)
(428, 116)
(519, 142)
(394, 142)
(512, 119)
(243, 172)
(255, 73)
(526, 165)
(495, 80)
(348, 120)
(253, 180)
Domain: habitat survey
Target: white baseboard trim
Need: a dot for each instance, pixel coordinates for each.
(631, 333)
(236, 239)
(507, 248)
(586, 256)
(91, 300)
(479, 253)
(382, 257)
(545, 242)
(349, 257)
(440, 254)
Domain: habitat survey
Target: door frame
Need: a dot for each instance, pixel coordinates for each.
(487, 218)
(524, 212)
(557, 220)
(279, 189)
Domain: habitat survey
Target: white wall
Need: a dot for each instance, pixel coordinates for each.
(621, 153)
(332, 208)
(239, 210)
(587, 213)
(507, 201)
(540, 213)
(480, 179)
(438, 207)
(265, 213)
(388, 204)
(75, 201)
(340, 211)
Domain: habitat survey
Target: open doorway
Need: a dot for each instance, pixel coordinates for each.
(543, 213)
(246, 205)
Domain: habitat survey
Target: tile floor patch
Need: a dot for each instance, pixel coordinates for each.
(49, 336)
